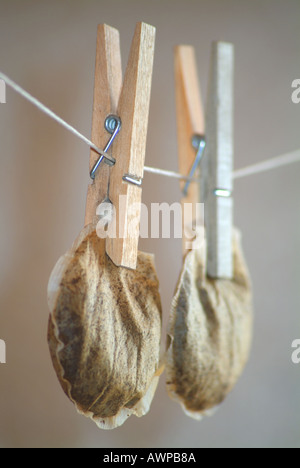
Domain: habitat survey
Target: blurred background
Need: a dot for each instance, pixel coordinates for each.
(48, 47)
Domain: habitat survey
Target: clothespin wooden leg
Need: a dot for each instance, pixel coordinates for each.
(190, 122)
(129, 149)
(216, 167)
(107, 88)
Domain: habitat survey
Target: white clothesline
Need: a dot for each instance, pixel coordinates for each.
(266, 165)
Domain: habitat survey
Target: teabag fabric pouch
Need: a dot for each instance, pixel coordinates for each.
(209, 332)
(104, 331)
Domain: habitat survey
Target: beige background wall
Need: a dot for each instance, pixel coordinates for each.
(49, 47)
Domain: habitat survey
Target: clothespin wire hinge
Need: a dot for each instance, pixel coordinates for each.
(112, 125)
(198, 142)
(132, 179)
(224, 193)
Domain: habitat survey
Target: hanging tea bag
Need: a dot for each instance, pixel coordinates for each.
(210, 330)
(104, 331)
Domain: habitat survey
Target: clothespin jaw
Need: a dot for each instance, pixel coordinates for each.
(190, 123)
(216, 166)
(125, 190)
(107, 89)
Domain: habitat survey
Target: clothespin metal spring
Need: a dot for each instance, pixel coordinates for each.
(225, 193)
(198, 142)
(112, 125)
(132, 179)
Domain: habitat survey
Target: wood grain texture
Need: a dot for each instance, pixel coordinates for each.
(217, 165)
(107, 88)
(104, 331)
(190, 122)
(130, 147)
(210, 330)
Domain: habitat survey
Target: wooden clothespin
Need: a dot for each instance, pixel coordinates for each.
(190, 124)
(217, 164)
(121, 184)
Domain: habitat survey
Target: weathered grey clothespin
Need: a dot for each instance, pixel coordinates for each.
(217, 163)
